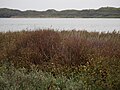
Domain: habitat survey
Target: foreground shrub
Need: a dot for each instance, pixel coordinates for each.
(66, 47)
(97, 77)
(66, 60)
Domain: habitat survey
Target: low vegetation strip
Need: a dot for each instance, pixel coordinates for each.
(59, 60)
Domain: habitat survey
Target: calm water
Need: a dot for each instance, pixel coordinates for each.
(89, 24)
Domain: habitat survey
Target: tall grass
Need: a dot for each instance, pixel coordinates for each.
(63, 60)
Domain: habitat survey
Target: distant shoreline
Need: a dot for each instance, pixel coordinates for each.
(103, 12)
(68, 18)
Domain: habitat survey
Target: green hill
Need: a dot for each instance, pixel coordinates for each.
(103, 12)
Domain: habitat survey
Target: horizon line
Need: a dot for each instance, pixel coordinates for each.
(59, 9)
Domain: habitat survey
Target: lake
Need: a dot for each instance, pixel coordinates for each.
(89, 24)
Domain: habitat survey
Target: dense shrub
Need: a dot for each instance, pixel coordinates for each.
(65, 60)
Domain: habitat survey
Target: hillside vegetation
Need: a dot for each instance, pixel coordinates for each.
(104, 12)
(59, 60)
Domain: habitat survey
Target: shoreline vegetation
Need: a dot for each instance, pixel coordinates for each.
(59, 60)
(103, 12)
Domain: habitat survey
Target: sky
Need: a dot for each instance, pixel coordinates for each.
(57, 4)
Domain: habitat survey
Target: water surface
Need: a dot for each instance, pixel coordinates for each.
(89, 24)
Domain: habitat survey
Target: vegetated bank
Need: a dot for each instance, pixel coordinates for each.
(59, 60)
(103, 12)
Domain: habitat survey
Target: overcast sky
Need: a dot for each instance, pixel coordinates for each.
(57, 4)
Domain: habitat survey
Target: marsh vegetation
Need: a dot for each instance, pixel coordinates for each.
(59, 60)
